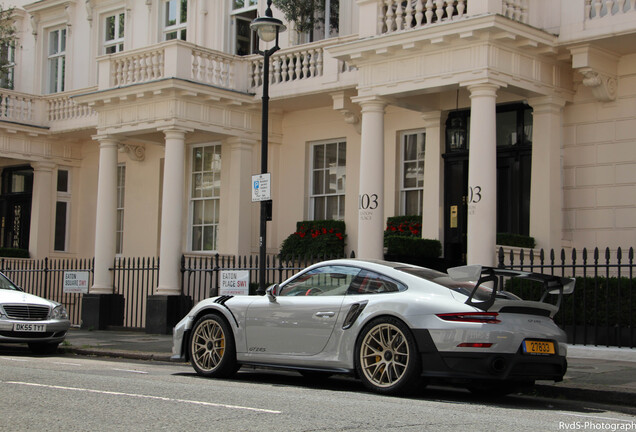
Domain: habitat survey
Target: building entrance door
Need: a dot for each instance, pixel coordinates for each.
(15, 207)
(455, 211)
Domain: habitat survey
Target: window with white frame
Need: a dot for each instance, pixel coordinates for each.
(205, 194)
(62, 213)
(56, 60)
(245, 39)
(175, 19)
(412, 148)
(325, 23)
(7, 60)
(121, 189)
(328, 177)
(114, 26)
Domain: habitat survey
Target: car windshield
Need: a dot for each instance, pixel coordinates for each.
(6, 284)
(483, 293)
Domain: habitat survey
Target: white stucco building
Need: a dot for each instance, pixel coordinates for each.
(132, 127)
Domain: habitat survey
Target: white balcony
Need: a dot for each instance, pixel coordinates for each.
(172, 59)
(56, 112)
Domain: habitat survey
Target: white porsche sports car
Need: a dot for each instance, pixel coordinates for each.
(392, 325)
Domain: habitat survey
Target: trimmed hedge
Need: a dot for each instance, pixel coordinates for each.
(595, 301)
(314, 239)
(406, 226)
(411, 250)
(14, 253)
(515, 240)
(404, 243)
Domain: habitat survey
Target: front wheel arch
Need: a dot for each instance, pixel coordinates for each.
(386, 356)
(211, 347)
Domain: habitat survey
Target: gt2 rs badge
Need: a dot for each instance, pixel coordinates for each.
(256, 349)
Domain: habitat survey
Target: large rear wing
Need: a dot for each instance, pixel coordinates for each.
(554, 285)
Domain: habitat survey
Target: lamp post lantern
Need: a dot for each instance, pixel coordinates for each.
(267, 27)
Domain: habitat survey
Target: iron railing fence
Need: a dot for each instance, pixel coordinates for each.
(601, 311)
(602, 308)
(45, 278)
(135, 279)
(201, 274)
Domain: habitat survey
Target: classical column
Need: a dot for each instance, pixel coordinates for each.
(482, 175)
(42, 203)
(546, 185)
(237, 205)
(167, 306)
(432, 202)
(172, 213)
(371, 197)
(101, 307)
(106, 216)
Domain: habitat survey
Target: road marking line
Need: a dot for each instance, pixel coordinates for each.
(14, 359)
(161, 398)
(131, 371)
(67, 364)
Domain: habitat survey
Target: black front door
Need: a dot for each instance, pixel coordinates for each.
(455, 212)
(15, 207)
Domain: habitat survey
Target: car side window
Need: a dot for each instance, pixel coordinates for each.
(367, 282)
(321, 281)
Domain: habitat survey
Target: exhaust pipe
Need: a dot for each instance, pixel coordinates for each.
(498, 365)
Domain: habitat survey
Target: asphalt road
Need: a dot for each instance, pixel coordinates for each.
(78, 393)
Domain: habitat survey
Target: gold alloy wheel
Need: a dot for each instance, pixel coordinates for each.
(208, 345)
(384, 355)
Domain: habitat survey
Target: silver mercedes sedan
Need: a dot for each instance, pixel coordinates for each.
(26, 318)
(394, 326)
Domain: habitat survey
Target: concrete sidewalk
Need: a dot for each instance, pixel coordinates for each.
(595, 374)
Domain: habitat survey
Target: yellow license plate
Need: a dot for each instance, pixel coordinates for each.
(538, 347)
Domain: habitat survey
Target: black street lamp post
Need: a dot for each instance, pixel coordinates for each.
(267, 28)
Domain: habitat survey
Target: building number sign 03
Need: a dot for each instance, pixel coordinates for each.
(368, 202)
(474, 194)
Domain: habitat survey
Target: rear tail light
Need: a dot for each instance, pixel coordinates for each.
(474, 317)
(475, 345)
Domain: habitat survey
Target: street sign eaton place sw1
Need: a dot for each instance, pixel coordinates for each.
(261, 190)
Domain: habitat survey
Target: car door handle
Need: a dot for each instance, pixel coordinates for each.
(325, 314)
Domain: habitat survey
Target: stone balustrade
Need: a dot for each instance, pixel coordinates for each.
(172, 59)
(598, 9)
(398, 15)
(137, 67)
(42, 111)
(61, 106)
(17, 107)
(303, 63)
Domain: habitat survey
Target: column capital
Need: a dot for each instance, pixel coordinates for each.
(175, 132)
(432, 119)
(483, 88)
(550, 103)
(106, 140)
(371, 103)
(43, 166)
(237, 143)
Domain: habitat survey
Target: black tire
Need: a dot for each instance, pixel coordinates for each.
(43, 347)
(386, 356)
(212, 349)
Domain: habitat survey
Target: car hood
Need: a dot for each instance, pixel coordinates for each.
(19, 297)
